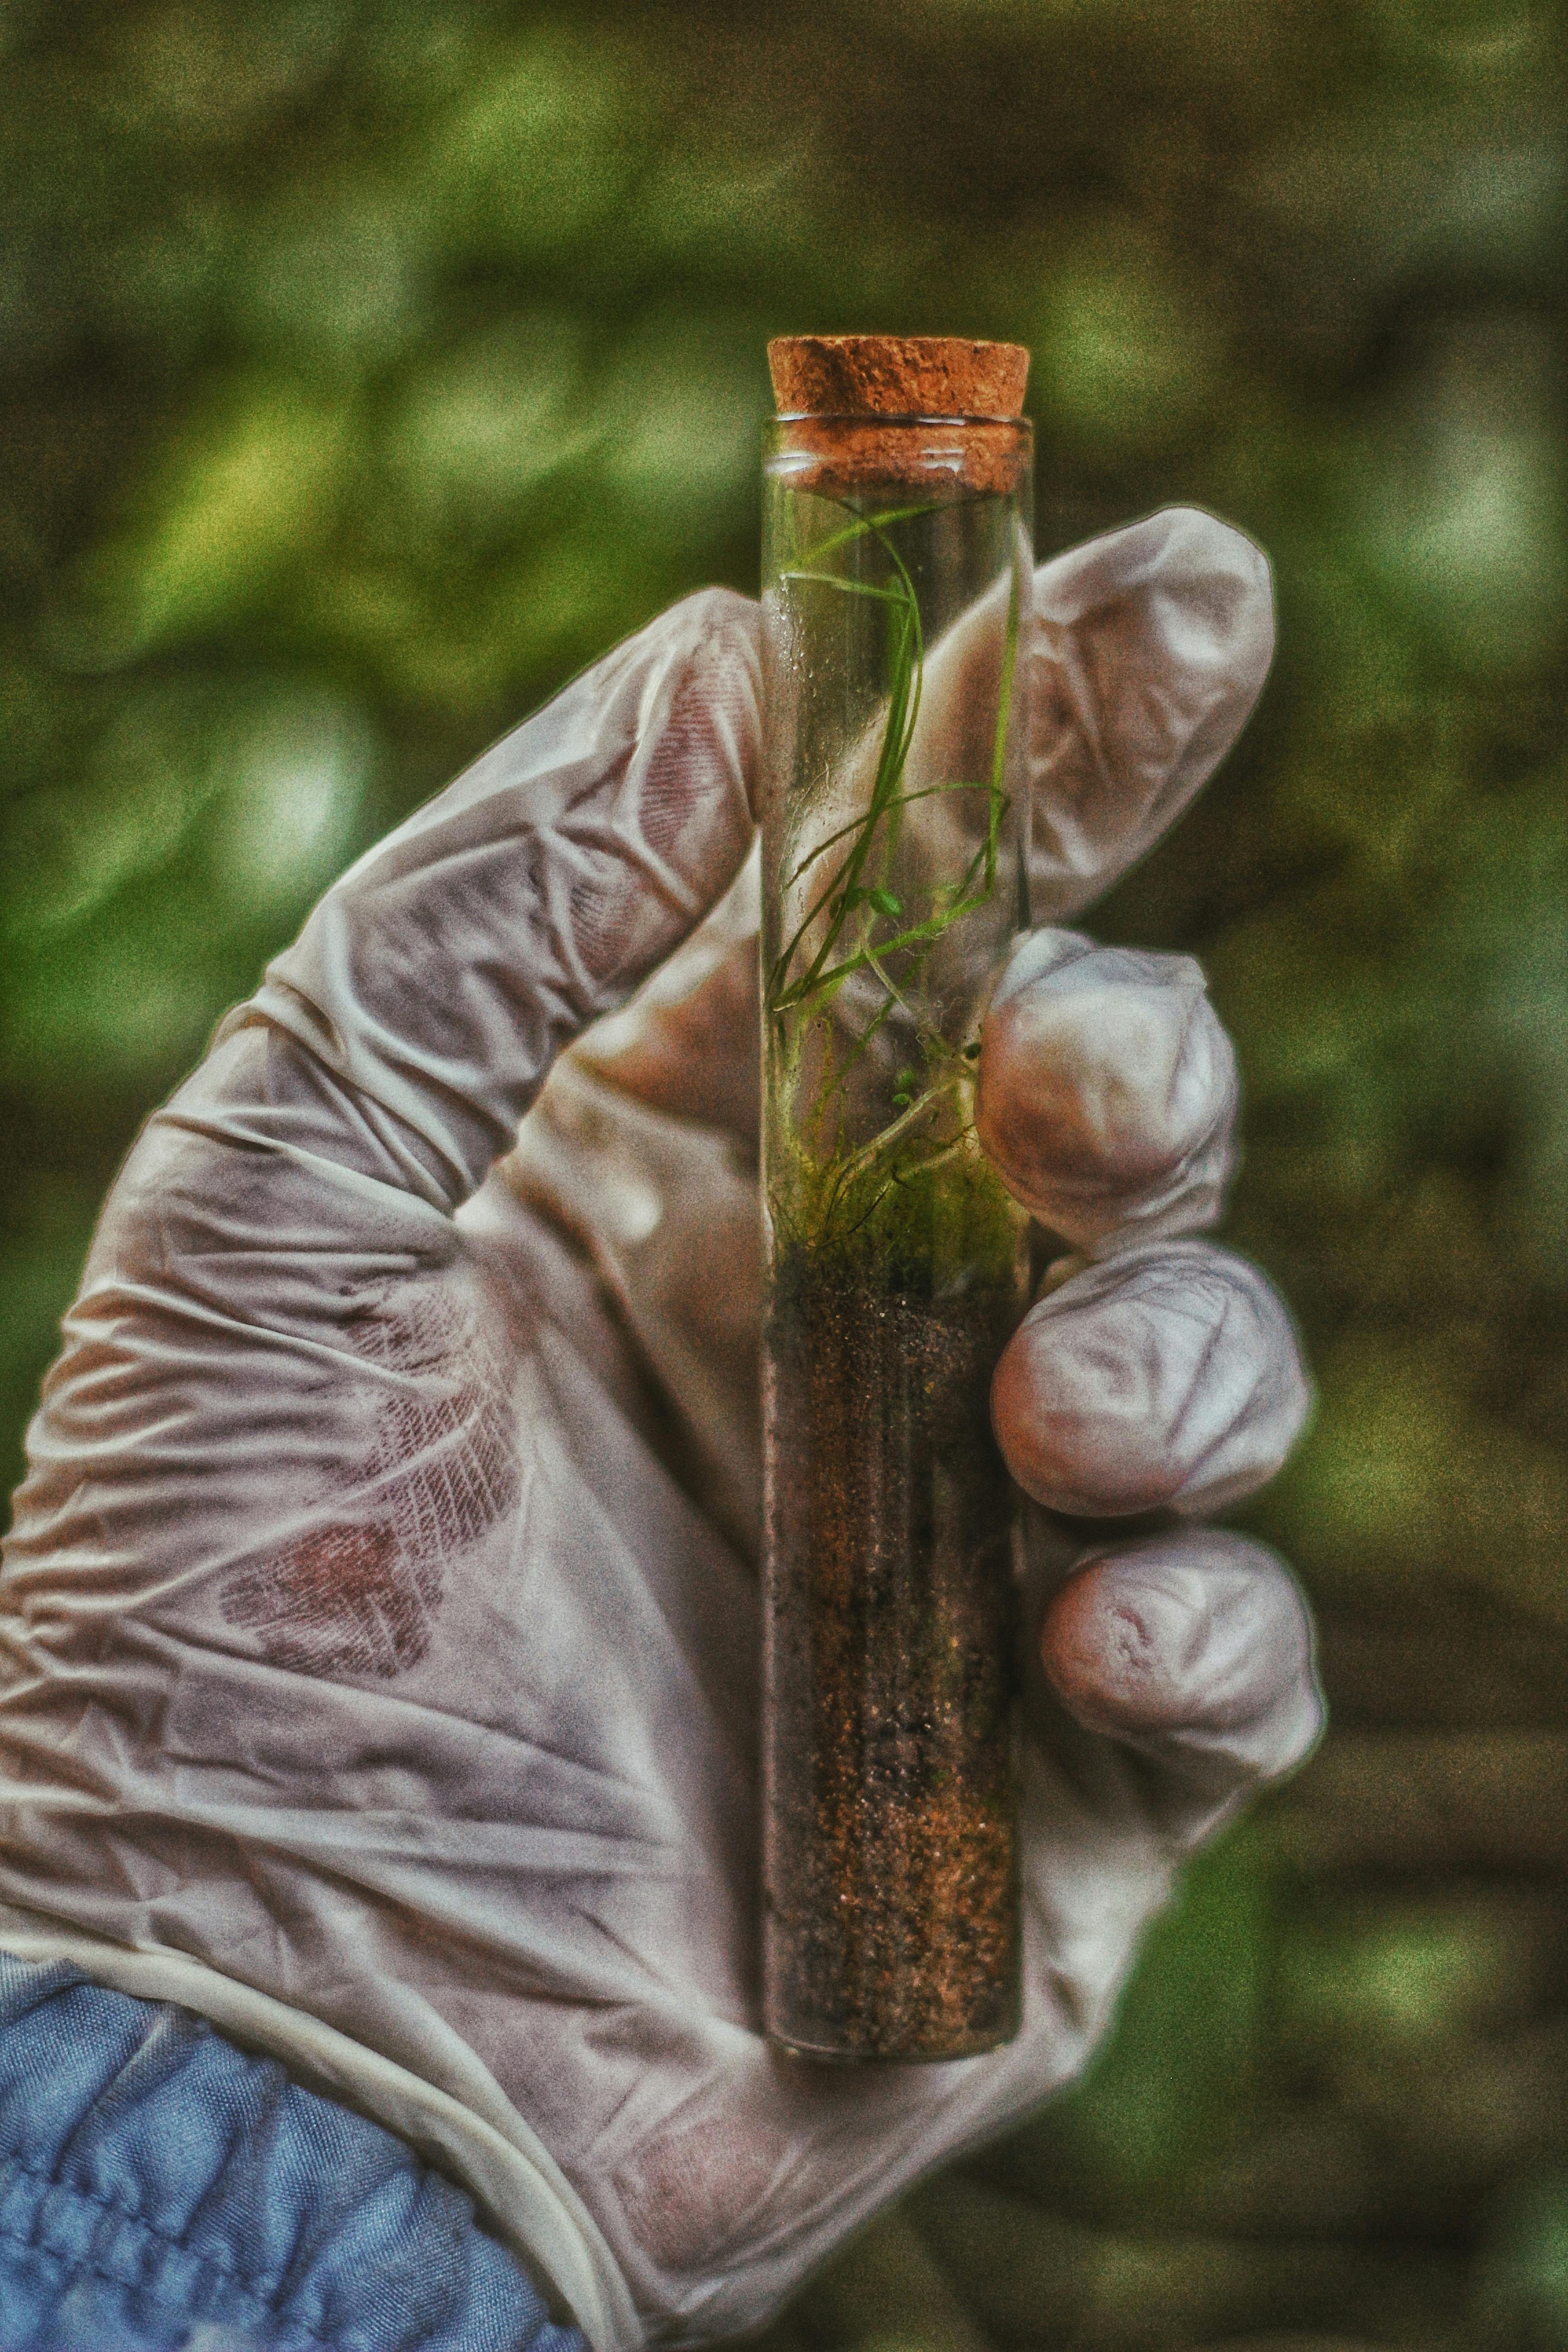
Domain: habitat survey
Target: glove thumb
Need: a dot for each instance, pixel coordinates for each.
(439, 978)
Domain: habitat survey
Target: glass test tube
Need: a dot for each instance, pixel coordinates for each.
(897, 574)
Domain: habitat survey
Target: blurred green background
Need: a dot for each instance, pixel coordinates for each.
(368, 366)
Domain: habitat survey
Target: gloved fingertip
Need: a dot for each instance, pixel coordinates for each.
(1167, 1375)
(1200, 1639)
(1107, 1092)
(1117, 1648)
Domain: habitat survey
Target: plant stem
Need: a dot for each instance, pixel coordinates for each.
(856, 901)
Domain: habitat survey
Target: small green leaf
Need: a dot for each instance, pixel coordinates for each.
(885, 903)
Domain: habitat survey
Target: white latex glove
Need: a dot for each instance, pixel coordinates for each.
(379, 1676)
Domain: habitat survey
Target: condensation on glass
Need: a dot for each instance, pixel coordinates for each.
(897, 573)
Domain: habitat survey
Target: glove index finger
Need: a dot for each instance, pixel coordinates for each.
(1151, 646)
(439, 978)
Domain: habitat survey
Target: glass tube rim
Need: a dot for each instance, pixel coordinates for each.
(905, 419)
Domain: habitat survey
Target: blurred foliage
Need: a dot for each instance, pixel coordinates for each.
(366, 367)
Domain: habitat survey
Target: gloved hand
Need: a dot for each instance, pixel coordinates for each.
(380, 1650)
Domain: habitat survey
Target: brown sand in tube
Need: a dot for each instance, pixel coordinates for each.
(891, 1862)
(891, 1857)
(824, 380)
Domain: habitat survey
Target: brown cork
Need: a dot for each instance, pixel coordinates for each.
(858, 410)
(895, 376)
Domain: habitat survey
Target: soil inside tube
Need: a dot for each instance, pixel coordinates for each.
(892, 1881)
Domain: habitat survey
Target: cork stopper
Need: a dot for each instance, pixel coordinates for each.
(857, 411)
(895, 376)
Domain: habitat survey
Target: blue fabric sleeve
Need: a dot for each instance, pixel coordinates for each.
(163, 2191)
